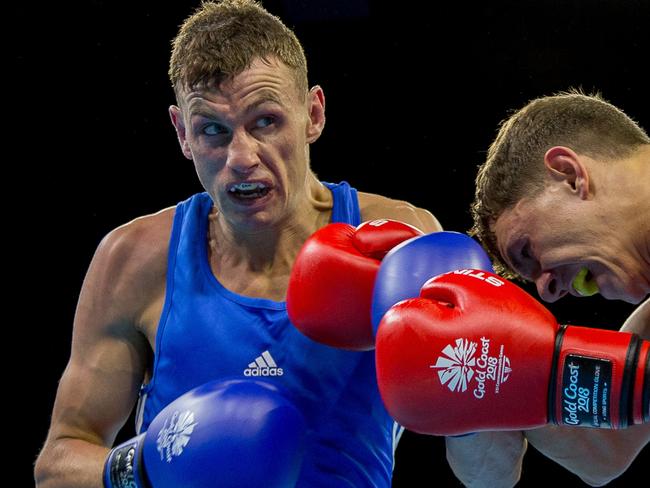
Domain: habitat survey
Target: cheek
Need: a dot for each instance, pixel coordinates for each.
(292, 158)
(206, 167)
(204, 174)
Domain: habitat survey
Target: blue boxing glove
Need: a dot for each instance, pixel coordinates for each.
(233, 433)
(406, 267)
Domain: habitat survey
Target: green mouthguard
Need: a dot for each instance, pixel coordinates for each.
(585, 287)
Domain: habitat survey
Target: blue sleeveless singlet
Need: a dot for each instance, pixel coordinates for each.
(207, 332)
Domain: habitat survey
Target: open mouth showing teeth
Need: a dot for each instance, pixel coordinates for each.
(249, 190)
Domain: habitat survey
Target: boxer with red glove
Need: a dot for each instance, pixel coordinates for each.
(331, 284)
(475, 352)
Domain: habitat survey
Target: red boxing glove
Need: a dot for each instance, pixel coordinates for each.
(475, 352)
(332, 279)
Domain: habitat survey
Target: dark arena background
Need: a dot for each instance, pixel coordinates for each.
(414, 97)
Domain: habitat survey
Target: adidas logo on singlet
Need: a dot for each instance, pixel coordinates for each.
(264, 365)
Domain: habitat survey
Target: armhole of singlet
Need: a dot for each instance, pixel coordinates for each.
(355, 210)
(169, 293)
(398, 430)
(345, 209)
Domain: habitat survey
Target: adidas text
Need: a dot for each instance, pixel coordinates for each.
(264, 365)
(263, 372)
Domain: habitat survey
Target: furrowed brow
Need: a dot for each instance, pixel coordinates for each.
(198, 109)
(266, 97)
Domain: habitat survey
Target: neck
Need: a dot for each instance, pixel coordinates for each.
(640, 193)
(272, 249)
(636, 207)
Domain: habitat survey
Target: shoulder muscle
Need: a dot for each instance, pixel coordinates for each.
(379, 207)
(129, 266)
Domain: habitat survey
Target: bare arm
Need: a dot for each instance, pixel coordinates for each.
(379, 207)
(639, 321)
(107, 364)
(597, 456)
(487, 459)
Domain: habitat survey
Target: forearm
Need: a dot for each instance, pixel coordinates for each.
(70, 463)
(597, 456)
(487, 459)
(639, 321)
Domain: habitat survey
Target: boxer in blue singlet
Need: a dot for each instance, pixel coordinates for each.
(195, 293)
(351, 437)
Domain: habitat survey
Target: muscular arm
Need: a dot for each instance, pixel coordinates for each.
(107, 363)
(379, 207)
(487, 459)
(597, 456)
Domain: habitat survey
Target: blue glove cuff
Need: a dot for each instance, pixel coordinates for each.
(123, 467)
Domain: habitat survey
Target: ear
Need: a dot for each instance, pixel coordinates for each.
(316, 101)
(565, 166)
(176, 115)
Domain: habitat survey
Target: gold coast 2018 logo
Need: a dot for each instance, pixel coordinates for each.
(462, 366)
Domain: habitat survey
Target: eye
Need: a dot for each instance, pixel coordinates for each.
(214, 129)
(264, 122)
(526, 263)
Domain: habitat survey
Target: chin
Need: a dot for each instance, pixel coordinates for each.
(630, 293)
(635, 298)
(629, 287)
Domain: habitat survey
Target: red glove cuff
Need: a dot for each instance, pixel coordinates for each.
(599, 378)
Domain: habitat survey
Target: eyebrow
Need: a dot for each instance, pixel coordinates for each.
(200, 109)
(265, 97)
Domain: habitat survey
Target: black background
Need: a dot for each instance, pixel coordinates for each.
(414, 96)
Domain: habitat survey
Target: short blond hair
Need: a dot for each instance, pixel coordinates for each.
(221, 39)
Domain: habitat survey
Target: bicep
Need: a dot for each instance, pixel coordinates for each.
(108, 357)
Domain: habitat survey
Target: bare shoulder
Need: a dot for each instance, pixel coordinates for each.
(140, 243)
(375, 206)
(130, 263)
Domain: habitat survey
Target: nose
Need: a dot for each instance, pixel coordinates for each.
(242, 153)
(549, 287)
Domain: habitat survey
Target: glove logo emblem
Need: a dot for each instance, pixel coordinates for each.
(458, 366)
(175, 435)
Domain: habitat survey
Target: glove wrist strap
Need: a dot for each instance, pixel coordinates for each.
(594, 378)
(123, 467)
(552, 384)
